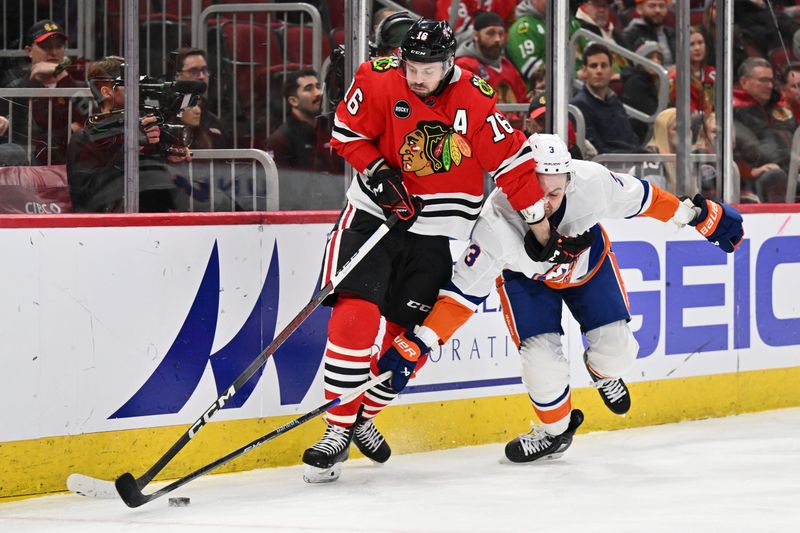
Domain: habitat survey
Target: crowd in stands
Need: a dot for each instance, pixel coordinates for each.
(501, 41)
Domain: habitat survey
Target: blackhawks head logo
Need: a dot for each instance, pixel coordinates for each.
(433, 147)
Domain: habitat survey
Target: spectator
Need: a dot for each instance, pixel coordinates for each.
(791, 89)
(303, 140)
(641, 87)
(706, 136)
(607, 125)
(467, 9)
(96, 154)
(483, 56)
(702, 75)
(709, 30)
(661, 173)
(535, 123)
(191, 64)
(45, 44)
(526, 39)
(764, 129)
(650, 27)
(595, 16)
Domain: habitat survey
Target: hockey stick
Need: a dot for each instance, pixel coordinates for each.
(88, 486)
(133, 497)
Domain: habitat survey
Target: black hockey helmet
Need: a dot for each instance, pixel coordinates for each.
(392, 30)
(429, 41)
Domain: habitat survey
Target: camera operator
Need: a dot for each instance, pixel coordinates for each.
(96, 153)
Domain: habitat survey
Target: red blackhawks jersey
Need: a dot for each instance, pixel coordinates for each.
(443, 144)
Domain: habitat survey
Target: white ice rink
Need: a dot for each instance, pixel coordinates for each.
(722, 475)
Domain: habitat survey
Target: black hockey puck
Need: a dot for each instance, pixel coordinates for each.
(179, 502)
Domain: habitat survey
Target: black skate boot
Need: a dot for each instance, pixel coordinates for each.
(370, 442)
(324, 459)
(613, 391)
(538, 444)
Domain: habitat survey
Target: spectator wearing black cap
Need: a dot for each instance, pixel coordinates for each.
(484, 56)
(45, 44)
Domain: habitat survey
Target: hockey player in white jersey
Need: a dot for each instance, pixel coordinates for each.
(577, 195)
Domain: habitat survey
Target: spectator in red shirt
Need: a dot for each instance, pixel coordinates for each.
(484, 56)
(791, 89)
(702, 75)
(468, 9)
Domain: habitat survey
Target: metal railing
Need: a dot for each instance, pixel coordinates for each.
(78, 97)
(630, 162)
(254, 194)
(260, 99)
(574, 112)
(794, 168)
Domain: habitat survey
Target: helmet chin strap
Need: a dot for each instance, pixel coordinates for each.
(446, 78)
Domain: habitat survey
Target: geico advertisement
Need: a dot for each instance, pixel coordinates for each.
(119, 328)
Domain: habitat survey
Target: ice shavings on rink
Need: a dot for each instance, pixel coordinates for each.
(732, 474)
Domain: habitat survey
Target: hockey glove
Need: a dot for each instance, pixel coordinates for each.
(559, 248)
(392, 196)
(720, 223)
(401, 358)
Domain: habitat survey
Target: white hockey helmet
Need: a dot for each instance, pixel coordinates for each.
(551, 154)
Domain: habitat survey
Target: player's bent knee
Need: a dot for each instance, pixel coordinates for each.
(545, 370)
(612, 348)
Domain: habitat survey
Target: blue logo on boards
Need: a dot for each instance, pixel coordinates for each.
(175, 379)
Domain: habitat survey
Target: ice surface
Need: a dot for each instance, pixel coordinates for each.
(732, 474)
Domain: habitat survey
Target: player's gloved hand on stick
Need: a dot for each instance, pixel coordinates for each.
(720, 223)
(392, 196)
(401, 358)
(559, 248)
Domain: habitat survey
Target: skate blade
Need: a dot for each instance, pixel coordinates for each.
(314, 474)
(506, 461)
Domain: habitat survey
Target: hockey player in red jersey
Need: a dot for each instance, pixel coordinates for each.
(578, 194)
(419, 131)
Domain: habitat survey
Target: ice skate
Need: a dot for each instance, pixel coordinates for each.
(324, 459)
(538, 444)
(370, 442)
(613, 391)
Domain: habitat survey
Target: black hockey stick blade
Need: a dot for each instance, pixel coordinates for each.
(133, 497)
(259, 361)
(129, 491)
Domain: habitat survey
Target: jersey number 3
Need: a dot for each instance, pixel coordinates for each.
(472, 255)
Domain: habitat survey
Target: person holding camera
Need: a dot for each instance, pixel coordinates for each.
(96, 153)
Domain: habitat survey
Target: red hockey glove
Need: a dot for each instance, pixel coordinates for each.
(401, 358)
(392, 196)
